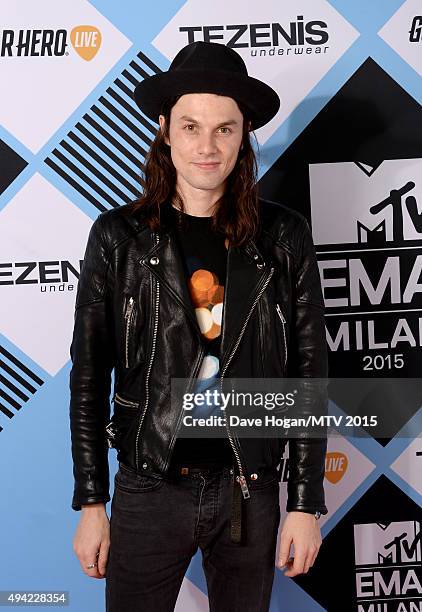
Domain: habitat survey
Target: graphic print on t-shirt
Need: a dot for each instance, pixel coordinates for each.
(207, 297)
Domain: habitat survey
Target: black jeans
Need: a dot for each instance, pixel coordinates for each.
(156, 527)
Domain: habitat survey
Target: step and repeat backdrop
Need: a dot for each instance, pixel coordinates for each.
(345, 149)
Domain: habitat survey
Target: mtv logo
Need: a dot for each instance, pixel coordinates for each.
(351, 203)
(375, 235)
(388, 543)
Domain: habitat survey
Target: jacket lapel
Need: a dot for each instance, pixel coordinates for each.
(246, 273)
(165, 262)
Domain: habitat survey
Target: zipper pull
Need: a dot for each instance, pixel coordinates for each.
(109, 428)
(129, 307)
(244, 487)
(111, 434)
(280, 313)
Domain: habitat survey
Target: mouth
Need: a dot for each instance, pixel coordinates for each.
(207, 166)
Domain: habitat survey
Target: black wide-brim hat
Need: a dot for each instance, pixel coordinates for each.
(204, 67)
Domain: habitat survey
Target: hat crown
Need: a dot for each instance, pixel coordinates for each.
(205, 67)
(201, 55)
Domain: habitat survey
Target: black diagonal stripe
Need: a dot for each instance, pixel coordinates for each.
(124, 119)
(144, 58)
(142, 73)
(130, 109)
(112, 140)
(102, 162)
(1, 428)
(6, 411)
(106, 181)
(129, 77)
(119, 131)
(20, 365)
(17, 377)
(98, 143)
(14, 388)
(86, 179)
(75, 184)
(10, 399)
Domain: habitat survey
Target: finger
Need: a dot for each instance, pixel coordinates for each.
(289, 567)
(300, 558)
(298, 562)
(308, 562)
(283, 555)
(314, 556)
(102, 557)
(92, 572)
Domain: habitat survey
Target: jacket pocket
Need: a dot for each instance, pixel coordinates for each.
(124, 416)
(128, 404)
(283, 322)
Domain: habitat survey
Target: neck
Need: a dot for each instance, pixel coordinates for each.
(198, 202)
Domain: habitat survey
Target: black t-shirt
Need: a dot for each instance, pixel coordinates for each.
(204, 255)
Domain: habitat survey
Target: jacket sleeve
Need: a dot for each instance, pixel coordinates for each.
(92, 356)
(305, 486)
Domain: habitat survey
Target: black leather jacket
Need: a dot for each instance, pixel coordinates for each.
(133, 314)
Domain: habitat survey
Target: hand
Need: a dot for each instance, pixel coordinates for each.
(302, 530)
(92, 539)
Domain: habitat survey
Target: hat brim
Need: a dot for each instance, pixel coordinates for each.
(262, 100)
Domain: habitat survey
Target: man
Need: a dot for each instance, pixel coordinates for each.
(199, 280)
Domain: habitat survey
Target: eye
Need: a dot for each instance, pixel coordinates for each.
(191, 125)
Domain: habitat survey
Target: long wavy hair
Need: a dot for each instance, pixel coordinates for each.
(236, 212)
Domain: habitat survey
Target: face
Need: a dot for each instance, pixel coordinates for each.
(205, 139)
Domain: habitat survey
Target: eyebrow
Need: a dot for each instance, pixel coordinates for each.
(228, 122)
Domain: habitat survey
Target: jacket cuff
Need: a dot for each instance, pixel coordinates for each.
(78, 502)
(305, 484)
(91, 487)
(290, 507)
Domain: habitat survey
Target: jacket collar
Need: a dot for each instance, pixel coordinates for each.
(247, 271)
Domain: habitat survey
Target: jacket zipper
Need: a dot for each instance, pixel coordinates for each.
(125, 402)
(189, 387)
(128, 317)
(283, 322)
(241, 477)
(154, 340)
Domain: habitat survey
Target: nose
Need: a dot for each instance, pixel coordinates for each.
(207, 144)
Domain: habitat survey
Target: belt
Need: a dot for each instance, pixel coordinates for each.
(237, 496)
(236, 516)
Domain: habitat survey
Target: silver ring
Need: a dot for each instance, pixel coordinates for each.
(91, 565)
